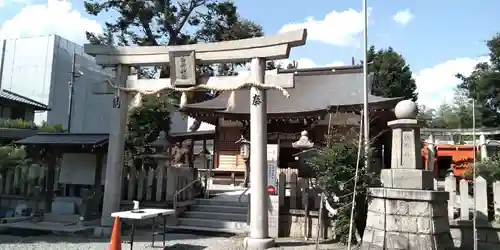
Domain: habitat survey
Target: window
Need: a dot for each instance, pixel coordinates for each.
(18, 112)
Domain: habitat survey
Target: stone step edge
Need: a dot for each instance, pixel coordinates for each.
(216, 206)
(212, 220)
(214, 213)
(188, 215)
(243, 203)
(209, 229)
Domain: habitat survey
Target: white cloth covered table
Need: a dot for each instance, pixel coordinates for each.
(144, 214)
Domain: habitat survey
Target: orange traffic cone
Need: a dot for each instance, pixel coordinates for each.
(116, 242)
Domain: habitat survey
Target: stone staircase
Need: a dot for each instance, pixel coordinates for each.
(215, 215)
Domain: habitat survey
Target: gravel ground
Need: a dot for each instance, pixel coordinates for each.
(142, 241)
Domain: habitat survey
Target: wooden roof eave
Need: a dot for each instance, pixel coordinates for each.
(207, 113)
(203, 115)
(388, 104)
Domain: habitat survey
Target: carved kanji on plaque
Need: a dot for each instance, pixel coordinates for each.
(116, 102)
(256, 100)
(183, 68)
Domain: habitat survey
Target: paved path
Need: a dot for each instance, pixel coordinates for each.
(175, 242)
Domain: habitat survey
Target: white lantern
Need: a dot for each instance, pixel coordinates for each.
(244, 147)
(245, 150)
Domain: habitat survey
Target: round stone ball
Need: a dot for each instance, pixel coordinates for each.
(406, 109)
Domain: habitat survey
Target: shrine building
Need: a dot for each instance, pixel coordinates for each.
(320, 96)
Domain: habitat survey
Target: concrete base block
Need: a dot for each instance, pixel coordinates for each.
(405, 241)
(409, 194)
(407, 219)
(102, 231)
(407, 178)
(258, 244)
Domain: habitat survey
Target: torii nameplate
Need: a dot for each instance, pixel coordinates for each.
(183, 68)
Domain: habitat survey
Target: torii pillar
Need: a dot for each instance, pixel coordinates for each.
(259, 198)
(114, 161)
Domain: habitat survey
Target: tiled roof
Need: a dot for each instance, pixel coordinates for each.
(313, 91)
(67, 139)
(11, 96)
(70, 139)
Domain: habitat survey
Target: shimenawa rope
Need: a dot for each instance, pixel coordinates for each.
(231, 100)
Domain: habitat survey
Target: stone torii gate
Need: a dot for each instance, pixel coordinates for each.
(183, 61)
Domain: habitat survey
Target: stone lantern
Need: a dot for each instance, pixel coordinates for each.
(306, 148)
(303, 143)
(244, 145)
(205, 153)
(161, 143)
(162, 149)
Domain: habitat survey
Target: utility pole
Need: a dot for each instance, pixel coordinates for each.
(366, 118)
(73, 75)
(3, 44)
(365, 125)
(474, 211)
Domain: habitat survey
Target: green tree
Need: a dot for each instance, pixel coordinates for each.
(11, 157)
(392, 75)
(335, 167)
(425, 116)
(160, 22)
(463, 109)
(147, 121)
(483, 85)
(455, 114)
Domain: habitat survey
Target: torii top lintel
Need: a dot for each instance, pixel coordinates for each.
(269, 47)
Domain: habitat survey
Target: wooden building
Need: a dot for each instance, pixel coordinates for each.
(320, 96)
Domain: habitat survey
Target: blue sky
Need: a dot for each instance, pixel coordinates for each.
(437, 38)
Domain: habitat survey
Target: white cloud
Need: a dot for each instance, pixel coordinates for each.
(54, 17)
(337, 28)
(305, 63)
(302, 63)
(21, 1)
(436, 85)
(403, 17)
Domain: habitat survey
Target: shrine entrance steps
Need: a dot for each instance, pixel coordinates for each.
(217, 214)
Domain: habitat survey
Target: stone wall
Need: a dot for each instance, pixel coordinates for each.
(488, 235)
(420, 221)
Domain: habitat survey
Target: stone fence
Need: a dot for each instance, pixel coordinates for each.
(149, 186)
(299, 206)
(460, 205)
(460, 212)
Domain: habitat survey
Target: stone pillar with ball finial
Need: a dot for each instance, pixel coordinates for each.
(406, 212)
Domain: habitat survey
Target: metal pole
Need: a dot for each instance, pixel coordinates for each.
(365, 125)
(319, 227)
(353, 203)
(205, 163)
(70, 85)
(3, 45)
(365, 87)
(474, 212)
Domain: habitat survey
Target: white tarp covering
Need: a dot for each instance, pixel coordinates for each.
(79, 169)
